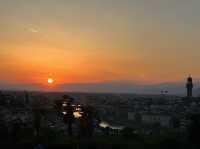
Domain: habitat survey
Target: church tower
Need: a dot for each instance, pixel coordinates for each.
(189, 86)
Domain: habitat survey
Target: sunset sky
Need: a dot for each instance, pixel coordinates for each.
(87, 41)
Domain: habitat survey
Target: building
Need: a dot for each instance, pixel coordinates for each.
(189, 86)
(163, 120)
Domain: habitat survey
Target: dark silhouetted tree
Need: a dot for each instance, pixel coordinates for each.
(194, 130)
(37, 121)
(69, 116)
(87, 121)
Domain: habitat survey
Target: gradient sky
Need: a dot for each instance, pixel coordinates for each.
(99, 40)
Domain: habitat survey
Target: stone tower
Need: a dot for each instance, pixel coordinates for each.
(189, 86)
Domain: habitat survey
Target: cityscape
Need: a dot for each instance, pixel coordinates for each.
(95, 115)
(99, 74)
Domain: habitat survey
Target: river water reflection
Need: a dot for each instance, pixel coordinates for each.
(105, 124)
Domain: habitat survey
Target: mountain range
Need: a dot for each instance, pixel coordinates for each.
(176, 88)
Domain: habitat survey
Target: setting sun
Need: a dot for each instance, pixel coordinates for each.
(50, 80)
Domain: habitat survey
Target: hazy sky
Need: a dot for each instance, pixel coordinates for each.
(99, 40)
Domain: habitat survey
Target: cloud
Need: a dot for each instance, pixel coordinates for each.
(33, 30)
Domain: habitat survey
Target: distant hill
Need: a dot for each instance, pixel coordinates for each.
(177, 88)
(29, 87)
(197, 91)
(172, 88)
